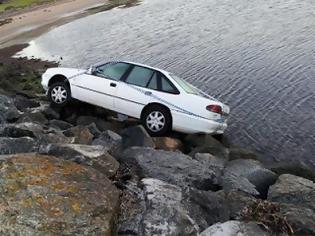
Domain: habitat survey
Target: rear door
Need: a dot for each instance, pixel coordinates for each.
(100, 88)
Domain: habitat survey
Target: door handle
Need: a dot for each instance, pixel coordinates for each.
(113, 84)
(148, 93)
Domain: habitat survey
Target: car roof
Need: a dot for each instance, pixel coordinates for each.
(137, 64)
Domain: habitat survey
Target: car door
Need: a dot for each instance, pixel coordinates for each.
(132, 94)
(141, 87)
(100, 87)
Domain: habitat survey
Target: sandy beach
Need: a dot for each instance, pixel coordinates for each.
(35, 21)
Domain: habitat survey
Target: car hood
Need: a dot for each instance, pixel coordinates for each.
(67, 72)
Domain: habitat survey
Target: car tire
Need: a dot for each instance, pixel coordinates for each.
(157, 120)
(59, 94)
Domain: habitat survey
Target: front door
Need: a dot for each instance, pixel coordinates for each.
(100, 87)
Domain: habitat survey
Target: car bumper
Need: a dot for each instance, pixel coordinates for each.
(44, 82)
(191, 124)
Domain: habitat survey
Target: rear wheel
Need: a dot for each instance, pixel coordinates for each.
(157, 120)
(59, 94)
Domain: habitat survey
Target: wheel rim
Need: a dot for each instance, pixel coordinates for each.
(155, 121)
(59, 94)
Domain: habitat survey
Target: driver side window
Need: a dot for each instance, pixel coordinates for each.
(112, 71)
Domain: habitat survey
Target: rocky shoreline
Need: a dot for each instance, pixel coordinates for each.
(79, 171)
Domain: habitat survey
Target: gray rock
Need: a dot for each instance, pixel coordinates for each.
(164, 214)
(136, 136)
(132, 208)
(205, 207)
(100, 123)
(23, 103)
(17, 145)
(94, 130)
(59, 124)
(50, 113)
(216, 164)
(43, 195)
(248, 176)
(235, 202)
(33, 117)
(8, 111)
(172, 167)
(234, 228)
(294, 190)
(94, 156)
(81, 134)
(109, 140)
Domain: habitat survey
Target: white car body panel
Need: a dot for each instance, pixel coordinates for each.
(189, 113)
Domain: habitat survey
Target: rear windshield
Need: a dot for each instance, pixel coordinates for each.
(188, 88)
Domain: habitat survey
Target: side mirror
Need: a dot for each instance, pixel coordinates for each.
(91, 70)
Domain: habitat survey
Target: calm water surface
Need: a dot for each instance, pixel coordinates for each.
(258, 56)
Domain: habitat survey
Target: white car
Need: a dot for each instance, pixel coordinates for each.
(161, 100)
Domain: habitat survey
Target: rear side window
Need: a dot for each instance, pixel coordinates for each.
(139, 76)
(167, 86)
(112, 70)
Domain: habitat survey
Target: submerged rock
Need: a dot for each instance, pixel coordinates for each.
(235, 228)
(44, 195)
(171, 167)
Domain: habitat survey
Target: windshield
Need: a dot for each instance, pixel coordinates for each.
(185, 85)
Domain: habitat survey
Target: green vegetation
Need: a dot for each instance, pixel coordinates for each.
(14, 4)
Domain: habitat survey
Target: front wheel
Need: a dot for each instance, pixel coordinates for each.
(157, 120)
(59, 94)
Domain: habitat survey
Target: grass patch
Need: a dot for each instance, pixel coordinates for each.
(16, 4)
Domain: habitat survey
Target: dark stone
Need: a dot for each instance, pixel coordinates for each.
(51, 113)
(8, 111)
(109, 140)
(94, 130)
(33, 117)
(59, 124)
(171, 167)
(17, 145)
(15, 132)
(240, 153)
(23, 103)
(136, 136)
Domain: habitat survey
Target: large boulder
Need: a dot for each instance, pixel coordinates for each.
(109, 140)
(43, 195)
(8, 112)
(60, 124)
(81, 134)
(211, 162)
(248, 176)
(235, 228)
(164, 213)
(136, 136)
(14, 131)
(94, 156)
(172, 167)
(294, 190)
(33, 117)
(296, 197)
(17, 145)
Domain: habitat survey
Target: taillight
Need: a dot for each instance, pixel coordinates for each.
(215, 108)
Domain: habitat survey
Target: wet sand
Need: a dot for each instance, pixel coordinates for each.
(32, 23)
